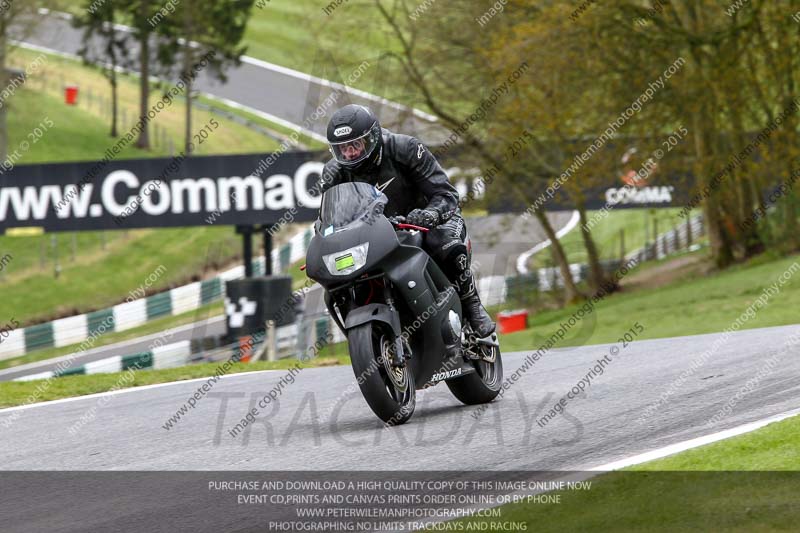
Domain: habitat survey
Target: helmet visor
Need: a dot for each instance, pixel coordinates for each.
(358, 149)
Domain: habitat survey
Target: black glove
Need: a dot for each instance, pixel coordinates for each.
(427, 218)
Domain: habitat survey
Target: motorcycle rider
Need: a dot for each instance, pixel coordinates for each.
(417, 187)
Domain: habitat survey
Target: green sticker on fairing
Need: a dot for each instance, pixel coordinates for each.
(344, 261)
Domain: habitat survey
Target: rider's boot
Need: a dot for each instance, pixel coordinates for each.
(471, 306)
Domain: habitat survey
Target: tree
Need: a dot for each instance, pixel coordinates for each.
(740, 75)
(113, 50)
(732, 86)
(17, 21)
(553, 109)
(210, 29)
(443, 55)
(141, 13)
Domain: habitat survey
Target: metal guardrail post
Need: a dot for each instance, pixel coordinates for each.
(270, 342)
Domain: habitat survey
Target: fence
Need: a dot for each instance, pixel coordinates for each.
(681, 237)
(52, 80)
(548, 278)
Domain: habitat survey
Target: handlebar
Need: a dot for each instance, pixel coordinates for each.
(399, 221)
(411, 226)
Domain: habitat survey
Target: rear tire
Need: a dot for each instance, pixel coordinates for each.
(390, 392)
(481, 386)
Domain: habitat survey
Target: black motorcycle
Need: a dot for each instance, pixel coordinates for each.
(400, 313)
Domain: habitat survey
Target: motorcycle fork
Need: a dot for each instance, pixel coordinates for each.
(398, 355)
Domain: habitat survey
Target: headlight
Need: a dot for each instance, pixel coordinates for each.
(347, 261)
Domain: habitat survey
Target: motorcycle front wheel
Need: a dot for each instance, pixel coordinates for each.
(389, 391)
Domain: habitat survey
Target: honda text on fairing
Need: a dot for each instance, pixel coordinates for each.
(401, 315)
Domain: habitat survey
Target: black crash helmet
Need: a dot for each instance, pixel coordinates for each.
(354, 136)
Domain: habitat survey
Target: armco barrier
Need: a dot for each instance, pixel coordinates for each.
(292, 340)
(167, 356)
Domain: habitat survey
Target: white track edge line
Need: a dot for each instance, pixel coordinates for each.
(522, 260)
(131, 389)
(672, 449)
(51, 51)
(268, 116)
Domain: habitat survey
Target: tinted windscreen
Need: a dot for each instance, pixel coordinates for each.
(346, 202)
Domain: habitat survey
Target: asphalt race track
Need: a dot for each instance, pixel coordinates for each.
(497, 240)
(283, 94)
(320, 423)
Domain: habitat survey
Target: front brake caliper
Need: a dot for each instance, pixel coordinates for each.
(397, 352)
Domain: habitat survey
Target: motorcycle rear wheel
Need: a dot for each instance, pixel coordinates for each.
(481, 386)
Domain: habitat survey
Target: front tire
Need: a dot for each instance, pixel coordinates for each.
(389, 391)
(481, 386)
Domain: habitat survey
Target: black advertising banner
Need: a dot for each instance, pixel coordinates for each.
(251, 189)
(397, 501)
(226, 190)
(628, 191)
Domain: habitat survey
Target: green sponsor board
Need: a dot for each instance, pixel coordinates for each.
(210, 290)
(137, 360)
(100, 322)
(159, 305)
(39, 336)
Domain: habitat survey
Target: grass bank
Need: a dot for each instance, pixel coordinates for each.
(746, 483)
(693, 305)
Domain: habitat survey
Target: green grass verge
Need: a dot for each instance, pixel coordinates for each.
(15, 393)
(155, 326)
(81, 132)
(75, 135)
(99, 278)
(690, 306)
(746, 483)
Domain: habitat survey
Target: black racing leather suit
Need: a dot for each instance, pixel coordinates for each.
(411, 178)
